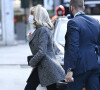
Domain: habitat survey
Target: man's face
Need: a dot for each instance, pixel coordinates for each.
(60, 13)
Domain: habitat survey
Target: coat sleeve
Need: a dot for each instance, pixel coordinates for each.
(99, 37)
(98, 50)
(71, 45)
(99, 42)
(42, 48)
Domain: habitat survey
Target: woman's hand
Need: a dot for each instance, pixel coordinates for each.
(30, 34)
(69, 77)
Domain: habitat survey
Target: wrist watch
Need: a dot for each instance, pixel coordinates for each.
(70, 70)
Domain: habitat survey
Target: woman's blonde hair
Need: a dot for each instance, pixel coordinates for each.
(41, 16)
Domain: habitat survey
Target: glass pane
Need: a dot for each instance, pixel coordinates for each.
(61, 31)
(35, 2)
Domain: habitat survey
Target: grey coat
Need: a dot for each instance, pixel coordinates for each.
(41, 45)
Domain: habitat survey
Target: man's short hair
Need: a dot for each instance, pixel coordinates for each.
(78, 4)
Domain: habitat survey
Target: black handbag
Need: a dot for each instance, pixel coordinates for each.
(29, 58)
(62, 85)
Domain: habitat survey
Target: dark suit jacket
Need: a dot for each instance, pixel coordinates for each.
(83, 34)
(98, 50)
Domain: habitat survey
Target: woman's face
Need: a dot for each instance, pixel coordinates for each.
(32, 13)
(31, 18)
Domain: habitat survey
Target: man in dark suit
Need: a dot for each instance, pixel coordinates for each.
(98, 53)
(99, 63)
(80, 59)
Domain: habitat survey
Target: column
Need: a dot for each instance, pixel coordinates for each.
(7, 11)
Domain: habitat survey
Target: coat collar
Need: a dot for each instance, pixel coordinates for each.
(79, 13)
(34, 33)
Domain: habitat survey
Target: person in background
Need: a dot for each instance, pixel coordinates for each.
(60, 11)
(80, 59)
(46, 70)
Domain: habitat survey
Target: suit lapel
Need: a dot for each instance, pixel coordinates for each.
(32, 36)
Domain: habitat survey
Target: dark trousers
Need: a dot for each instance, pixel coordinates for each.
(89, 79)
(33, 82)
(99, 78)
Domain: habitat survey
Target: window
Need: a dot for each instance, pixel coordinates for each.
(35, 2)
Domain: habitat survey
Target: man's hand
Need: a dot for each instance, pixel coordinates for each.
(69, 77)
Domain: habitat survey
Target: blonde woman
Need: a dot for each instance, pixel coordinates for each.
(47, 70)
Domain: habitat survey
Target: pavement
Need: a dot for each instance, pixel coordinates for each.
(14, 54)
(14, 70)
